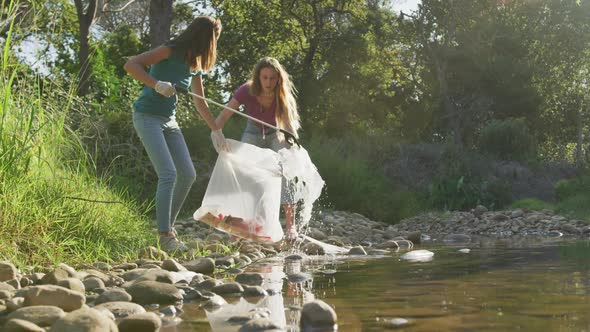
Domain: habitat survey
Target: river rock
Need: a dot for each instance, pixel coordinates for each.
(317, 314)
(53, 295)
(73, 284)
(113, 295)
(203, 266)
(260, 324)
(255, 291)
(42, 315)
(144, 322)
(149, 292)
(208, 284)
(122, 309)
(6, 287)
(20, 325)
(158, 275)
(93, 283)
(53, 277)
(251, 279)
(7, 271)
(84, 320)
(228, 288)
(172, 265)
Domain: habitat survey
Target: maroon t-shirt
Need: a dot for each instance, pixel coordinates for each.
(253, 107)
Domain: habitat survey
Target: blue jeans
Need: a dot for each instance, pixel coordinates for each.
(253, 135)
(167, 150)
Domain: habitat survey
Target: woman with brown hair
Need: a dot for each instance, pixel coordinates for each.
(181, 61)
(269, 96)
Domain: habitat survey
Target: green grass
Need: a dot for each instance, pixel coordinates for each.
(53, 207)
(575, 206)
(532, 204)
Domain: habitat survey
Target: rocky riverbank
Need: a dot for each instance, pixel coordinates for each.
(148, 293)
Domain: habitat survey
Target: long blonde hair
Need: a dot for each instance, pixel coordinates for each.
(286, 115)
(198, 43)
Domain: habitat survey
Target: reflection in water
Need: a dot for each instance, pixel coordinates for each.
(497, 286)
(283, 311)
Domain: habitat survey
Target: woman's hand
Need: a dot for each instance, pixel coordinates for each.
(219, 141)
(166, 89)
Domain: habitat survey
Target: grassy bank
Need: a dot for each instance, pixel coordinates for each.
(53, 207)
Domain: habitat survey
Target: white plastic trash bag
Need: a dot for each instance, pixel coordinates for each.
(244, 193)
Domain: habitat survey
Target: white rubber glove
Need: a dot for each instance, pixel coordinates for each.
(166, 89)
(219, 142)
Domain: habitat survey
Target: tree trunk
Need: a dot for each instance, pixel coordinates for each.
(160, 21)
(448, 110)
(579, 157)
(85, 22)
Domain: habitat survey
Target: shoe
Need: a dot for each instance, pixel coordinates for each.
(170, 243)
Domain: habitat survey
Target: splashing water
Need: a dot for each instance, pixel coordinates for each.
(298, 168)
(307, 183)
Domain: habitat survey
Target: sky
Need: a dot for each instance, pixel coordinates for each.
(405, 5)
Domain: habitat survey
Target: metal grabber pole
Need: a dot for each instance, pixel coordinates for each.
(289, 136)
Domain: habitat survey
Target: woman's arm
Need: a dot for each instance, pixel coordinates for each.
(226, 114)
(137, 64)
(200, 104)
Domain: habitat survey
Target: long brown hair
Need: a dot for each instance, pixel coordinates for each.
(287, 115)
(198, 42)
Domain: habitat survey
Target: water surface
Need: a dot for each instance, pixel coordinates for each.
(500, 285)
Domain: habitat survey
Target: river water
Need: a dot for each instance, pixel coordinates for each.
(499, 285)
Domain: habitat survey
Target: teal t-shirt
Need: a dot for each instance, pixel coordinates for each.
(174, 70)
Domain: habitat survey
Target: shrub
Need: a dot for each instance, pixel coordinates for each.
(532, 204)
(508, 139)
(572, 187)
(352, 185)
(465, 192)
(576, 206)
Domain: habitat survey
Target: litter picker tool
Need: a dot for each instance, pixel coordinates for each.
(289, 136)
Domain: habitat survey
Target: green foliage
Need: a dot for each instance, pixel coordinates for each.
(532, 204)
(366, 77)
(575, 206)
(119, 46)
(462, 194)
(573, 196)
(353, 185)
(53, 207)
(42, 219)
(508, 139)
(463, 182)
(565, 189)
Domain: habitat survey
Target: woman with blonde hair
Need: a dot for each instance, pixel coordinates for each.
(269, 96)
(180, 62)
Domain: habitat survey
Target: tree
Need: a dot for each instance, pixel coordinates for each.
(160, 21)
(323, 45)
(475, 62)
(86, 17)
(134, 14)
(562, 58)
